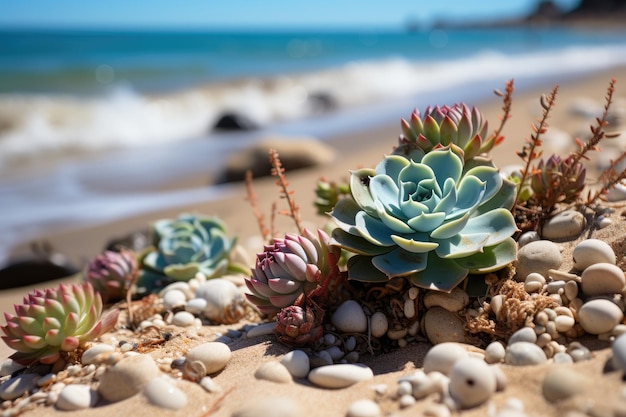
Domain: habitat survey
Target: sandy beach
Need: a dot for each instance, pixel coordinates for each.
(354, 150)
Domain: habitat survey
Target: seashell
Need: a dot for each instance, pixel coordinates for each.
(225, 302)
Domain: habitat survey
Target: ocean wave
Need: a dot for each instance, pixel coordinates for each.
(36, 124)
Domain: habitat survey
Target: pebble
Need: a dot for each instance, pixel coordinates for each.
(262, 329)
(592, 251)
(534, 282)
(349, 318)
(565, 225)
(340, 376)
(76, 397)
(225, 302)
(273, 371)
(494, 352)
(18, 385)
(9, 366)
(617, 193)
(602, 278)
(599, 316)
(442, 357)
(527, 237)
(180, 286)
(270, 406)
(562, 358)
(93, 354)
(441, 325)
(454, 301)
(213, 355)
(127, 377)
(183, 319)
(562, 382)
(564, 323)
(525, 334)
(539, 256)
(571, 290)
(364, 408)
(524, 353)
(196, 305)
(619, 352)
(162, 393)
(209, 384)
(472, 382)
(297, 363)
(173, 299)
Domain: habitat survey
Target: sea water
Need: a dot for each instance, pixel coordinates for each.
(91, 122)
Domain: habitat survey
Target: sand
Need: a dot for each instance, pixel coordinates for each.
(358, 149)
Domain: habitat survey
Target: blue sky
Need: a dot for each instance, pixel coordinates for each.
(209, 14)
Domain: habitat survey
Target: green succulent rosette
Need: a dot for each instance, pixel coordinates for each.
(430, 218)
(188, 245)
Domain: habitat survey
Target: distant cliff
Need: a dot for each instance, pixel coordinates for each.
(587, 10)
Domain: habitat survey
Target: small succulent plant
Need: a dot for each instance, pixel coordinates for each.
(56, 320)
(112, 273)
(557, 181)
(432, 220)
(188, 245)
(464, 130)
(299, 326)
(291, 267)
(327, 193)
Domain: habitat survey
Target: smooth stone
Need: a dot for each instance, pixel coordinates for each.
(225, 302)
(566, 225)
(177, 286)
(592, 251)
(599, 316)
(297, 363)
(539, 257)
(472, 382)
(379, 324)
(9, 366)
(76, 397)
(619, 352)
(527, 237)
(364, 408)
(443, 356)
(349, 318)
(562, 358)
(92, 354)
(562, 382)
(340, 376)
(524, 353)
(442, 326)
(564, 323)
(494, 352)
(273, 371)
(195, 305)
(262, 329)
(617, 193)
(127, 377)
(270, 406)
(602, 278)
(209, 384)
(162, 393)
(213, 355)
(525, 334)
(454, 301)
(183, 319)
(15, 387)
(173, 299)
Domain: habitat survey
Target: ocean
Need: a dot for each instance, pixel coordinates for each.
(91, 122)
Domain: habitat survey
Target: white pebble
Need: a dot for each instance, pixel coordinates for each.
(209, 385)
(619, 352)
(599, 316)
(407, 401)
(297, 363)
(409, 308)
(472, 382)
(441, 325)
(602, 278)
(454, 301)
(76, 397)
(364, 408)
(196, 305)
(92, 354)
(592, 251)
(443, 356)
(273, 371)
(173, 299)
(349, 318)
(562, 382)
(9, 366)
(339, 376)
(18, 385)
(183, 319)
(213, 355)
(524, 353)
(564, 323)
(567, 224)
(127, 377)
(162, 393)
(525, 334)
(494, 352)
(181, 286)
(527, 237)
(539, 256)
(262, 329)
(271, 406)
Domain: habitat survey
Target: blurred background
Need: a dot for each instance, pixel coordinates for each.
(104, 105)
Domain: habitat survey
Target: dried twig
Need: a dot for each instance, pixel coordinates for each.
(507, 101)
(279, 172)
(251, 198)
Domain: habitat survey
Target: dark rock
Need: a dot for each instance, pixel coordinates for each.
(235, 121)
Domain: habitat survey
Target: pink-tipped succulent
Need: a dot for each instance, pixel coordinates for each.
(299, 326)
(457, 126)
(56, 320)
(112, 274)
(557, 181)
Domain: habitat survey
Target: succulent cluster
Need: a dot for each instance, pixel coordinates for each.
(188, 245)
(54, 321)
(299, 325)
(558, 180)
(112, 273)
(291, 267)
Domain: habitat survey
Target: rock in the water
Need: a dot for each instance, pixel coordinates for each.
(442, 326)
(454, 301)
(127, 377)
(472, 382)
(162, 393)
(562, 382)
(524, 353)
(349, 318)
(566, 225)
(76, 397)
(364, 408)
(273, 371)
(599, 316)
(295, 153)
(15, 387)
(297, 363)
(235, 122)
(213, 355)
(340, 376)
(442, 357)
(592, 251)
(539, 256)
(602, 278)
